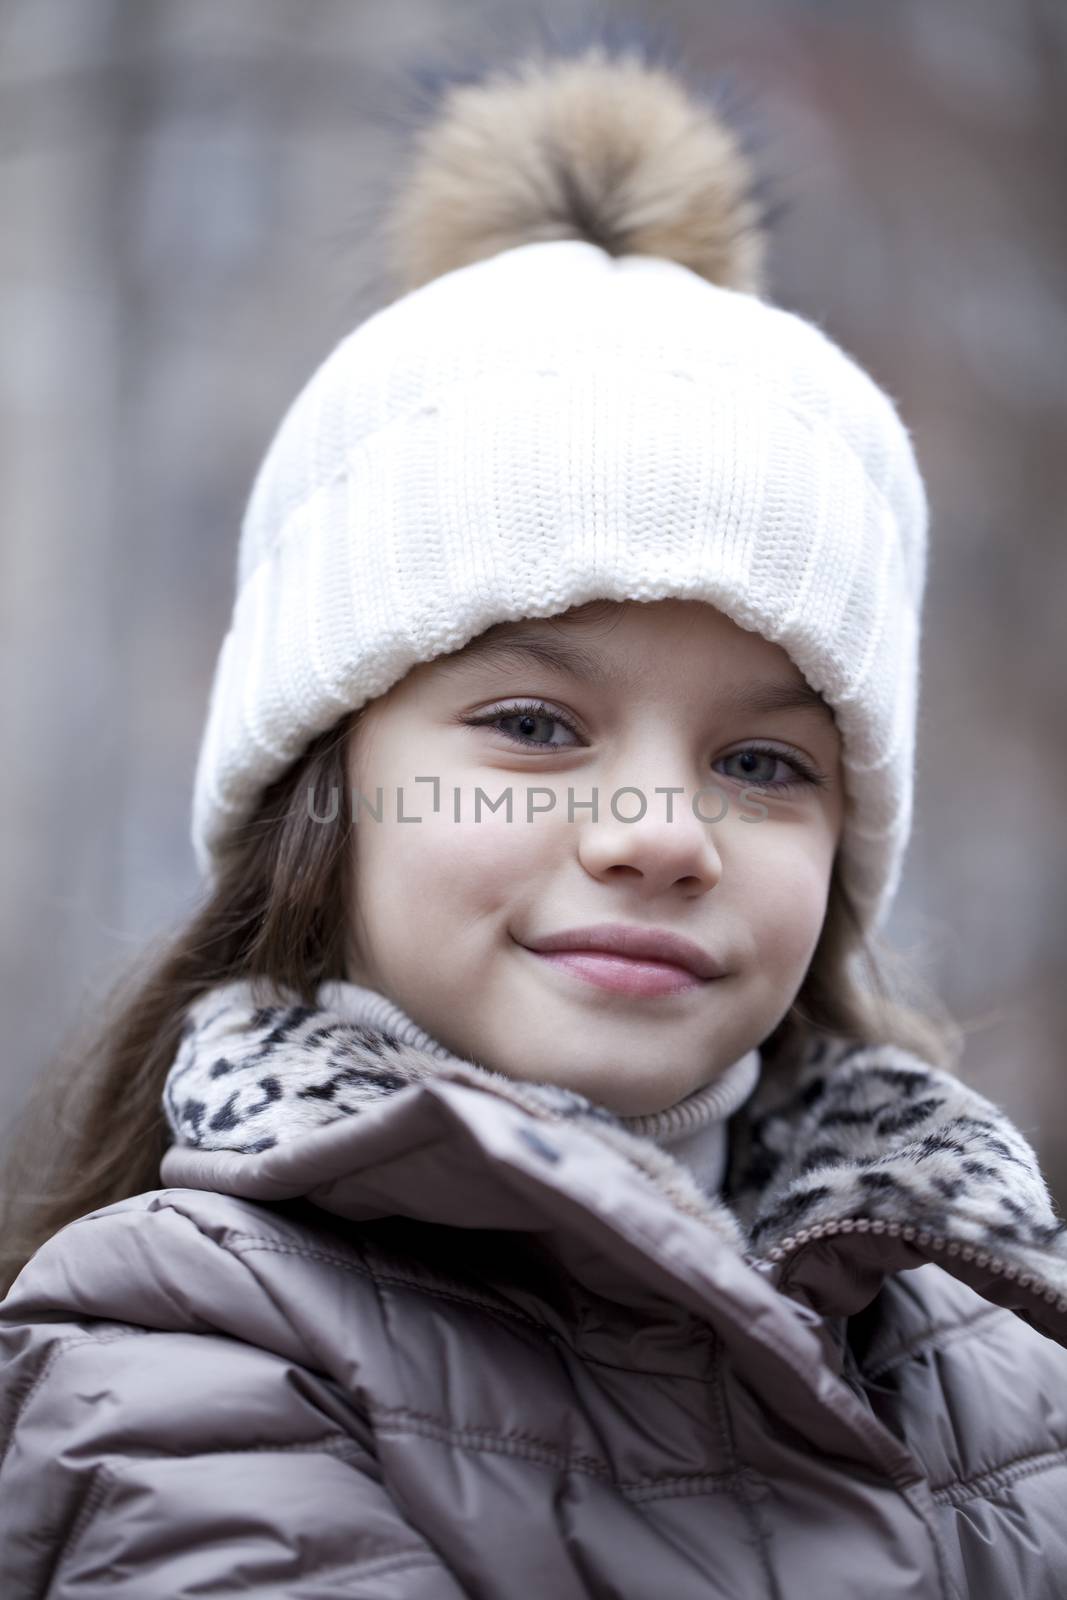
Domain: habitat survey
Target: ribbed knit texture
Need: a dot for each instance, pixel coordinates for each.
(553, 425)
(693, 1130)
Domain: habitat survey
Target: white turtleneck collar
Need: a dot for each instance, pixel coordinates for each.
(692, 1130)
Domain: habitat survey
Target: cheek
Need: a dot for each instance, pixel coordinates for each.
(783, 880)
(438, 872)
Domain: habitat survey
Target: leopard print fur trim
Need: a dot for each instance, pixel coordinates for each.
(874, 1132)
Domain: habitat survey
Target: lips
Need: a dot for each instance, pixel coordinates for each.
(620, 974)
(630, 943)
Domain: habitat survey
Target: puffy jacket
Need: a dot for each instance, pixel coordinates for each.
(471, 1338)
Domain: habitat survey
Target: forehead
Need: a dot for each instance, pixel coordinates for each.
(581, 647)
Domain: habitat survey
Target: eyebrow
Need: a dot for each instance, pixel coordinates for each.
(518, 648)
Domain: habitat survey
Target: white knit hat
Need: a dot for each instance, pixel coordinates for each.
(568, 408)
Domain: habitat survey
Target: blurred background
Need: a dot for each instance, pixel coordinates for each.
(190, 190)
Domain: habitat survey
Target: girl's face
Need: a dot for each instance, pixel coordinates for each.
(653, 700)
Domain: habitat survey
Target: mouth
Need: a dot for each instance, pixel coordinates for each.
(622, 974)
(628, 959)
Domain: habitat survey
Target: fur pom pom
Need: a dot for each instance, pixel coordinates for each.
(604, 148)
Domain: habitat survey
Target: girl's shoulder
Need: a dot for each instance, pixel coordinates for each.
(194, 1261)
(163, 1360)
(173, 1259)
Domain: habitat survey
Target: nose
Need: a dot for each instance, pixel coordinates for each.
(665, 846)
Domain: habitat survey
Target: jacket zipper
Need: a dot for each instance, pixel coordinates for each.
(920, 1236)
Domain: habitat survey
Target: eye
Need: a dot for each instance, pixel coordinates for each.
(767, 756)
(532, 718)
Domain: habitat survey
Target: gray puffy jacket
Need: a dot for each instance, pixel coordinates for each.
(479, 1340)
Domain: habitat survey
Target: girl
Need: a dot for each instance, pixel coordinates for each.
(517, 1180)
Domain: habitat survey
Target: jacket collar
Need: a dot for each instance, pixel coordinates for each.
(864, 1160)
(856, 1163)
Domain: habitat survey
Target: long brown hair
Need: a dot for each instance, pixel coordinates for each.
(92, 1131)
